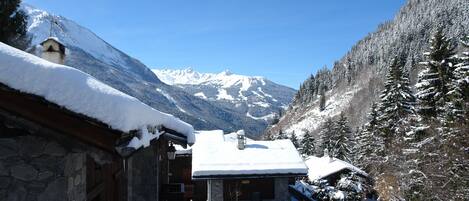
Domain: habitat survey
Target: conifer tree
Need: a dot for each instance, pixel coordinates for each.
(307, 144)
(13, 24)
(341, 140)
(458, 95)
(327, 132)
(294, 140)
(396, 101)
(281, 135)
(433, 81)
(322, 99)
(370, 141)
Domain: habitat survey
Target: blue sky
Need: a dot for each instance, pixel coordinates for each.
(282, 40)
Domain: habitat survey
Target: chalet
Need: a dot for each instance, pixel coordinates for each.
(66, 136)
(330, 169)
(245, 170)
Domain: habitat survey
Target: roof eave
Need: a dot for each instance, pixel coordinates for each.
(249, 176)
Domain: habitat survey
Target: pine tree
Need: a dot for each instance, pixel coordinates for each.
(327, 132)
(341, 140)
(433, 81)
(294, 140)
(13, 24)
(307, 144)
(458, 95)
(322, 100)
(397, 100)
(370, 141)
(281, 135)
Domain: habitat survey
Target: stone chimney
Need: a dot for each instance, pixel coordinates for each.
(53, 50)
(241, 139)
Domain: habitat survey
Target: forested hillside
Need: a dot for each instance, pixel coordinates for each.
(402, 93)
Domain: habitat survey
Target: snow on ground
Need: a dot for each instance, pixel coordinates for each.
(213, 155)
(313, 118)
(82, 93)
(320, 167)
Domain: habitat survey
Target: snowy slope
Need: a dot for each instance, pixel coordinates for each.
(91, 54)
(253, 96)
(310, 117)
(356, 80)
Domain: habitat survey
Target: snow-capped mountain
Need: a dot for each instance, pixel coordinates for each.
(91, 54)
(255, 97)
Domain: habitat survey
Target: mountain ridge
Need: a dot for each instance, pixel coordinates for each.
(255, 96)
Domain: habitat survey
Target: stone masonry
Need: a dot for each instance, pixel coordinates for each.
(36, 168)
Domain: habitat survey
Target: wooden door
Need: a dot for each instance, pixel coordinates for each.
(105, 182)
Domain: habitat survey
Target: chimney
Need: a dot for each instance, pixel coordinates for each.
(53, 50)
(241, 139)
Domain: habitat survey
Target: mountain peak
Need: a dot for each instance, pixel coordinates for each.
(226, 72)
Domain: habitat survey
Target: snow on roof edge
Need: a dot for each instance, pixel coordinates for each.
(320, 167)
(81, 93)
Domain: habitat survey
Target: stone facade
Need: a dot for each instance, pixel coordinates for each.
(39, 168)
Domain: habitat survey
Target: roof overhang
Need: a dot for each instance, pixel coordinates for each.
(51, 116)
(248, 176)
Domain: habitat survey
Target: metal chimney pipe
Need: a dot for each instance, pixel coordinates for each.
(241, 139)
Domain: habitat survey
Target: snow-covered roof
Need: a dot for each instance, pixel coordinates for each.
(215, 157)
(83, 94)
(52, 38)
(320, 167)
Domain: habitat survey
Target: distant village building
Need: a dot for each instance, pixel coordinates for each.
(244, 169)
(53, 50)
(80, 140)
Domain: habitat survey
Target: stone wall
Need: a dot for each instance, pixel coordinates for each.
(31, 168)
(36, 167)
